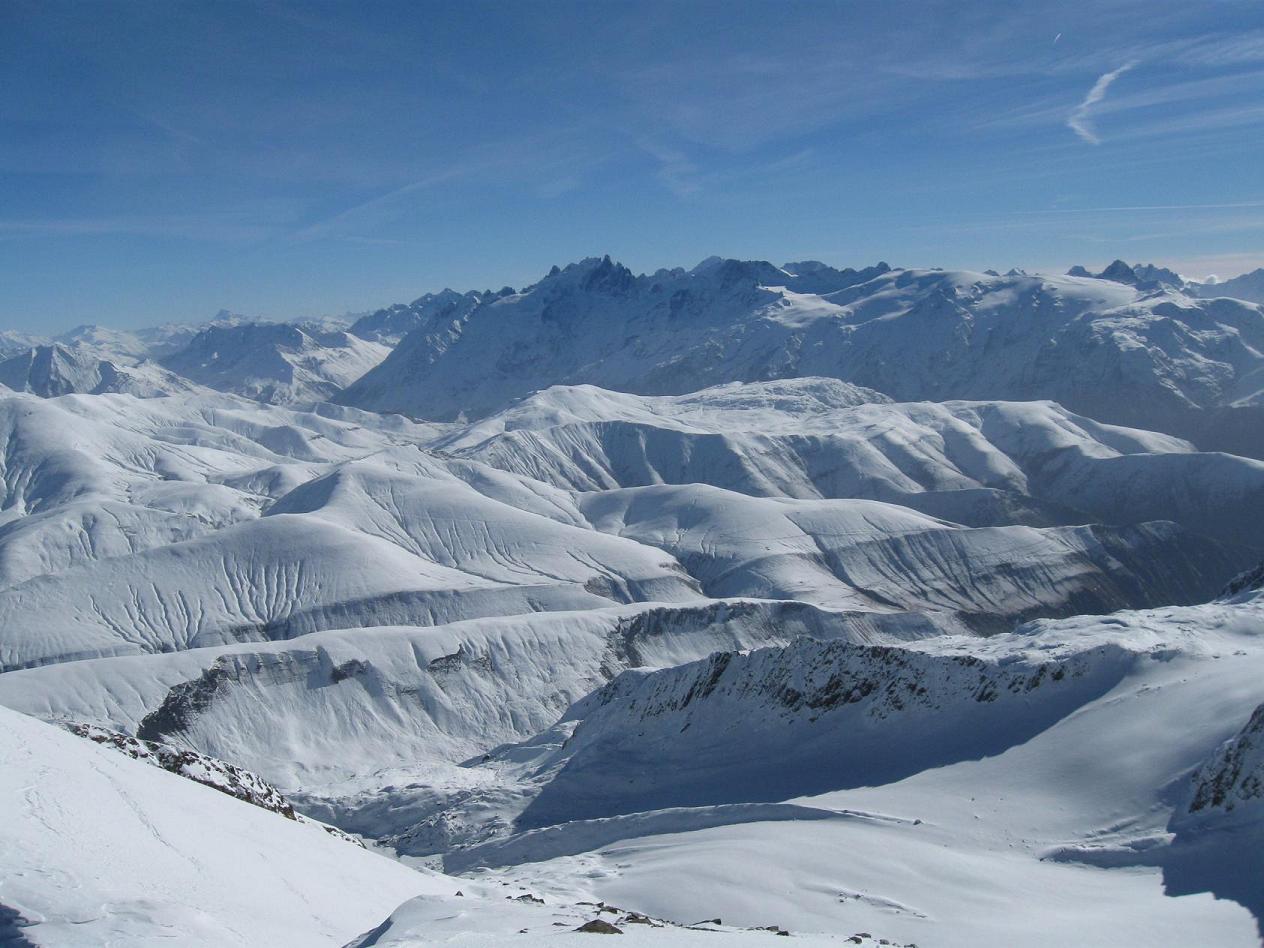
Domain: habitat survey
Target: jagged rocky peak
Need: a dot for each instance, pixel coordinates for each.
(248, 334)
(607, 276)
(597, 275)
(729, 271)
(603, 275)
(1119, 272)
(1099, 346)
(1150, 273)
(812, 276)
(799, 268)
(427, 313)
(1142, 275)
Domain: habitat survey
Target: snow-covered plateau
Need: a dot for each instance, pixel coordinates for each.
(712, 606)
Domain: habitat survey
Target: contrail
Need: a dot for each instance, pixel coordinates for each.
(1078, 121)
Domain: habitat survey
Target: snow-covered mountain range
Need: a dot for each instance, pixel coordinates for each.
(869, 606)
(275, 363)
(1142, 355)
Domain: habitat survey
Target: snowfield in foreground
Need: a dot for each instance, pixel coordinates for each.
(99, 849)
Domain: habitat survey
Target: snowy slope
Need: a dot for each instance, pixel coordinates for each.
(1111, 350)
(104, 342)
(976, 463)
(287, 574)
(87, 478)
(14, 341)
(99, 849)
(135, 525)
(347, 706)
(861, 554)
(109, 850)
(58, 370)
(1081, 769)
(1248, 286)
(278, 363)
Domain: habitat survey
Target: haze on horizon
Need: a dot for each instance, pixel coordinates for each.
(161, 161)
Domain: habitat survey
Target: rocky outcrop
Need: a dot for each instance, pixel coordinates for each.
(217, 774)
(1231, 781)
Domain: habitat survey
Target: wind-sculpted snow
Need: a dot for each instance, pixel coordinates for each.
(134, 526)
(975, 463)
(869, 555)
(1144, 356)
(284, 576)
(437, 517)
(117, 446)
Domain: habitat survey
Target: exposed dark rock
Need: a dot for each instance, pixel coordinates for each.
(599, 926)
(183, 702)
(1245, 582)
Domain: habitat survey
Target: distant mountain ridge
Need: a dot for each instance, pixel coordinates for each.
(1122, 346)
(427, 313)
(1247, 286)
(1132, 344)
(52, 370)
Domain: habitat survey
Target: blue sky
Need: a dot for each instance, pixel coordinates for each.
(159, 161)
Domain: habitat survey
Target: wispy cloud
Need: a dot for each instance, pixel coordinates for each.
(547, 165)
(371, 213)
(1143, 207)
(210, 227)
(676, 171)
(1079, 120)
